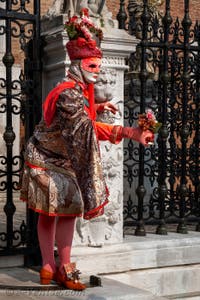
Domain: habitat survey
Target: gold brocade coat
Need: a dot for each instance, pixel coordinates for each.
(63, 172)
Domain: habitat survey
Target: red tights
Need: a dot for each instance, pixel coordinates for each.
(50, 231)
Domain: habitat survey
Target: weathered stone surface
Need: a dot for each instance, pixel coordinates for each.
(18, 279)
(164, 281)
(137, 253)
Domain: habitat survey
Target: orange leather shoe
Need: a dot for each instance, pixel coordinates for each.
(46, 276)
(70, 278)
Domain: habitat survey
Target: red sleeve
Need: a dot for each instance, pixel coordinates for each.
(108, 132)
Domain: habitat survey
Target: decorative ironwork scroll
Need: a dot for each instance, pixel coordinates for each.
(20, 99)
(164, 180)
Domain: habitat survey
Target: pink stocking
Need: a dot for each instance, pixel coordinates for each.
(64, 237)
(46, 236)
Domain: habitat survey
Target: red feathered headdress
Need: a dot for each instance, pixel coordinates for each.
(84, 40)
(84, 37)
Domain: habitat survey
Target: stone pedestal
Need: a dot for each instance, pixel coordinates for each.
(117, 46)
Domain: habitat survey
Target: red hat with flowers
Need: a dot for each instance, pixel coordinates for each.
(84, 37)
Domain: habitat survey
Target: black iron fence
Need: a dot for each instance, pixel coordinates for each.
(162, 182)
(20, 103)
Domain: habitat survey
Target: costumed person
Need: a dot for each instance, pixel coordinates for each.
(63, 176)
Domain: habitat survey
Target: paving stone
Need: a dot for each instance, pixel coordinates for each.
(22, 283)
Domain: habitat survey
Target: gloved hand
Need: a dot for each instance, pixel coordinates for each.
(138, 135)
(106, 106)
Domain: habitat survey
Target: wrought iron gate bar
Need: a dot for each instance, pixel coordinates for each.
(122, 15)
(184, 130)
(16, 99)
(141, 191)
(164, 76)
(162, 140)
(196, 148)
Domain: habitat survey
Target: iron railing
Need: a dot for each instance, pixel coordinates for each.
(162, 182)
(20, 99)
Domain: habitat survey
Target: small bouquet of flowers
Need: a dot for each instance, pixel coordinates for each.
(147, 121)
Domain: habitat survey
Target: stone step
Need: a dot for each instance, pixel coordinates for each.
(137, 253)
(11, 261)
(26, 283)
(170, 282)
(161, 265)
(190, 296)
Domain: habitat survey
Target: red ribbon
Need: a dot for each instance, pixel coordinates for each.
(89, 94)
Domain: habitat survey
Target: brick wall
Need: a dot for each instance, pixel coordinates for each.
(177, 7)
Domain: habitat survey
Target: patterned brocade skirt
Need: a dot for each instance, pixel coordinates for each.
(61, 196)
(58, 187)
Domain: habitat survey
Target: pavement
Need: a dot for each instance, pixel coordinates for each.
(23, 283)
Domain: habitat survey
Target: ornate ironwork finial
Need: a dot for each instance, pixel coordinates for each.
(167, 19)
(122, 15)
(187, 22)
(186, 2)
(145, 17)
(167, 5)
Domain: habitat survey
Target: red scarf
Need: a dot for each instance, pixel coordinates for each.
(49, 105)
